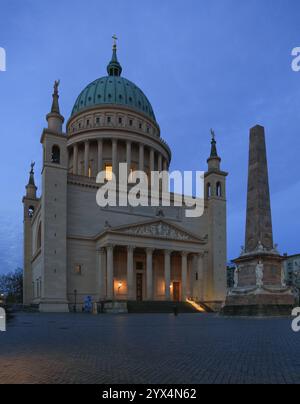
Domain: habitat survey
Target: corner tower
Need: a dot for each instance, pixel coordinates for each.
(215, 195)
(54, 212)
(30, 202)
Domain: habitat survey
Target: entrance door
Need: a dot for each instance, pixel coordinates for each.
(176, 291)
(139, 287)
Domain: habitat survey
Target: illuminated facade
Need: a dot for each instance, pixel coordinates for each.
(123, 253)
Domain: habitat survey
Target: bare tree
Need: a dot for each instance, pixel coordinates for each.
(11, 285)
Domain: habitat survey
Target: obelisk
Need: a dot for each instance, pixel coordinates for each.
(259, 282)
(259, 219)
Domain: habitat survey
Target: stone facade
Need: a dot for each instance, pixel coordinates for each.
(75, 248)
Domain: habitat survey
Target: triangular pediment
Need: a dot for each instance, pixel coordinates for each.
(157, 229)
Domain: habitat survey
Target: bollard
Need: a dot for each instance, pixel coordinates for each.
(95, 308)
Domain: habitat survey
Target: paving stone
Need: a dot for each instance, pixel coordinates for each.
(160, 348)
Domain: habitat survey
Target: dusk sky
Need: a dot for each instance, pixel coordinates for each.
(222, 64)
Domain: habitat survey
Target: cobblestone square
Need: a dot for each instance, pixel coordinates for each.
(191, 348)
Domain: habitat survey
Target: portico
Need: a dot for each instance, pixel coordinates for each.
(151, 261)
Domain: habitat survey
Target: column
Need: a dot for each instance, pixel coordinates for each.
(183, 276)
(165, 165)
(152, 155)
(159, 162)
(110, 272)
(167, 274)
(75, 159)
(141, 157)
(149, 273)
(101, 277)
(130, 274)
(200, 270)
(100, 155)
(86, 158)
(115, 157)
(128, 155)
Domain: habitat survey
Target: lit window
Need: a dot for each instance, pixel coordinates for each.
(108, 172)
(90, 172)
(78, 269)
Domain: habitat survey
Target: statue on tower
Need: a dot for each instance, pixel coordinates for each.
(32, 165)
(56, 85)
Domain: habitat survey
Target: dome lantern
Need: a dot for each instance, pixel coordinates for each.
(114, 68)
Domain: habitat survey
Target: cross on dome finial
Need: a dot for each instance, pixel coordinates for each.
(115, 38)
(114, 68)
(213, 134)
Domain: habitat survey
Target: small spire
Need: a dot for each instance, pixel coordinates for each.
(31, 175)
(55, 104)
(213, 152)
(114, 68)
(30, 187)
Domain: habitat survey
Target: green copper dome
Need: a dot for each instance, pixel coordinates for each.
(113, 90)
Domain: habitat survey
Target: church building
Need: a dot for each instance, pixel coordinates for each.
(73, 248)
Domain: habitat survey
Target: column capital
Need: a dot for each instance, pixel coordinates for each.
(101, 250)
(168, 252)
(200, 254)
(150, 250)
(130, 248)
(110, 246)
(184, 253)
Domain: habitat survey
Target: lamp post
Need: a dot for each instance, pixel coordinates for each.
(75, 301)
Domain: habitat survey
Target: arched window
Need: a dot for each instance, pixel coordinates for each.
(39, 238)
(55, 156)
(208, 190)
(219, 189)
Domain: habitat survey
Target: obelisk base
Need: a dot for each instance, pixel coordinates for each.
(260, 302)
(260, 289)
